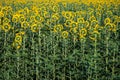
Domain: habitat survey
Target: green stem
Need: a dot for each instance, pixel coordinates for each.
(95, 55)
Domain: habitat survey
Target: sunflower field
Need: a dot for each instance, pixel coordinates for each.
(59, 40)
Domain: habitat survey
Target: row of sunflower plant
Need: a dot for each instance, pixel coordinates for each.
(59, 41)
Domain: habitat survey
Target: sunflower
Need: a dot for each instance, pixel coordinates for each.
(65, 34)
(1, 14)
(25, 24)
(67, 23)
(94, 35)
(114, 28)
(80, 20)
(34, 28)
(83, 32)
(94, 23)
(22, 18)
(6, 27)
(68, 15)
(55, 8)
(109, 26)
(86, 24)
(92, 18)
(39, 18)
(15, 18)
(73, 24)
(6, 20)
(18, 38)
(16, 45)
(32, 18)
(55, 17)
(74, 30)
(58, 28)
(107, 20)
(46, 14)
(20, 33)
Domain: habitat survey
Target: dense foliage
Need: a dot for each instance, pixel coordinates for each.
(59, 41)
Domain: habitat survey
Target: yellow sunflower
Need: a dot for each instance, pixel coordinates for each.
(22, 18)
(80, 20)
(67, 23)
(55, 8)
(39, 18)
(55, 17)
(94, 23)
(6, 20)
(73, 24)
(32, 19)
(46, 14)
(25, 24)
(83, 32)
(92, 18)
(16, 45)
(15, 18)
(58, 28)
(68, 15)
(94, 35)
(6, 27)
(1, 14)
(86, 24)
(18, 38)
(109, 26)
(34, 28)
(65, 34)
(107, 20)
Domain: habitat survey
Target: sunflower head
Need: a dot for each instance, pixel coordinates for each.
(92, 18)
(22, 18)
(1, 14)
(15, 18)
(73, 24)
(80, 20)
(18, 38)
(6, 20)
(67, 23)
(109, 26)
(58, 28)
(34, 28)
(6, 27)
(65, 34)
(83, 32)
(107, 20)
(24, 24)
(16, 45)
